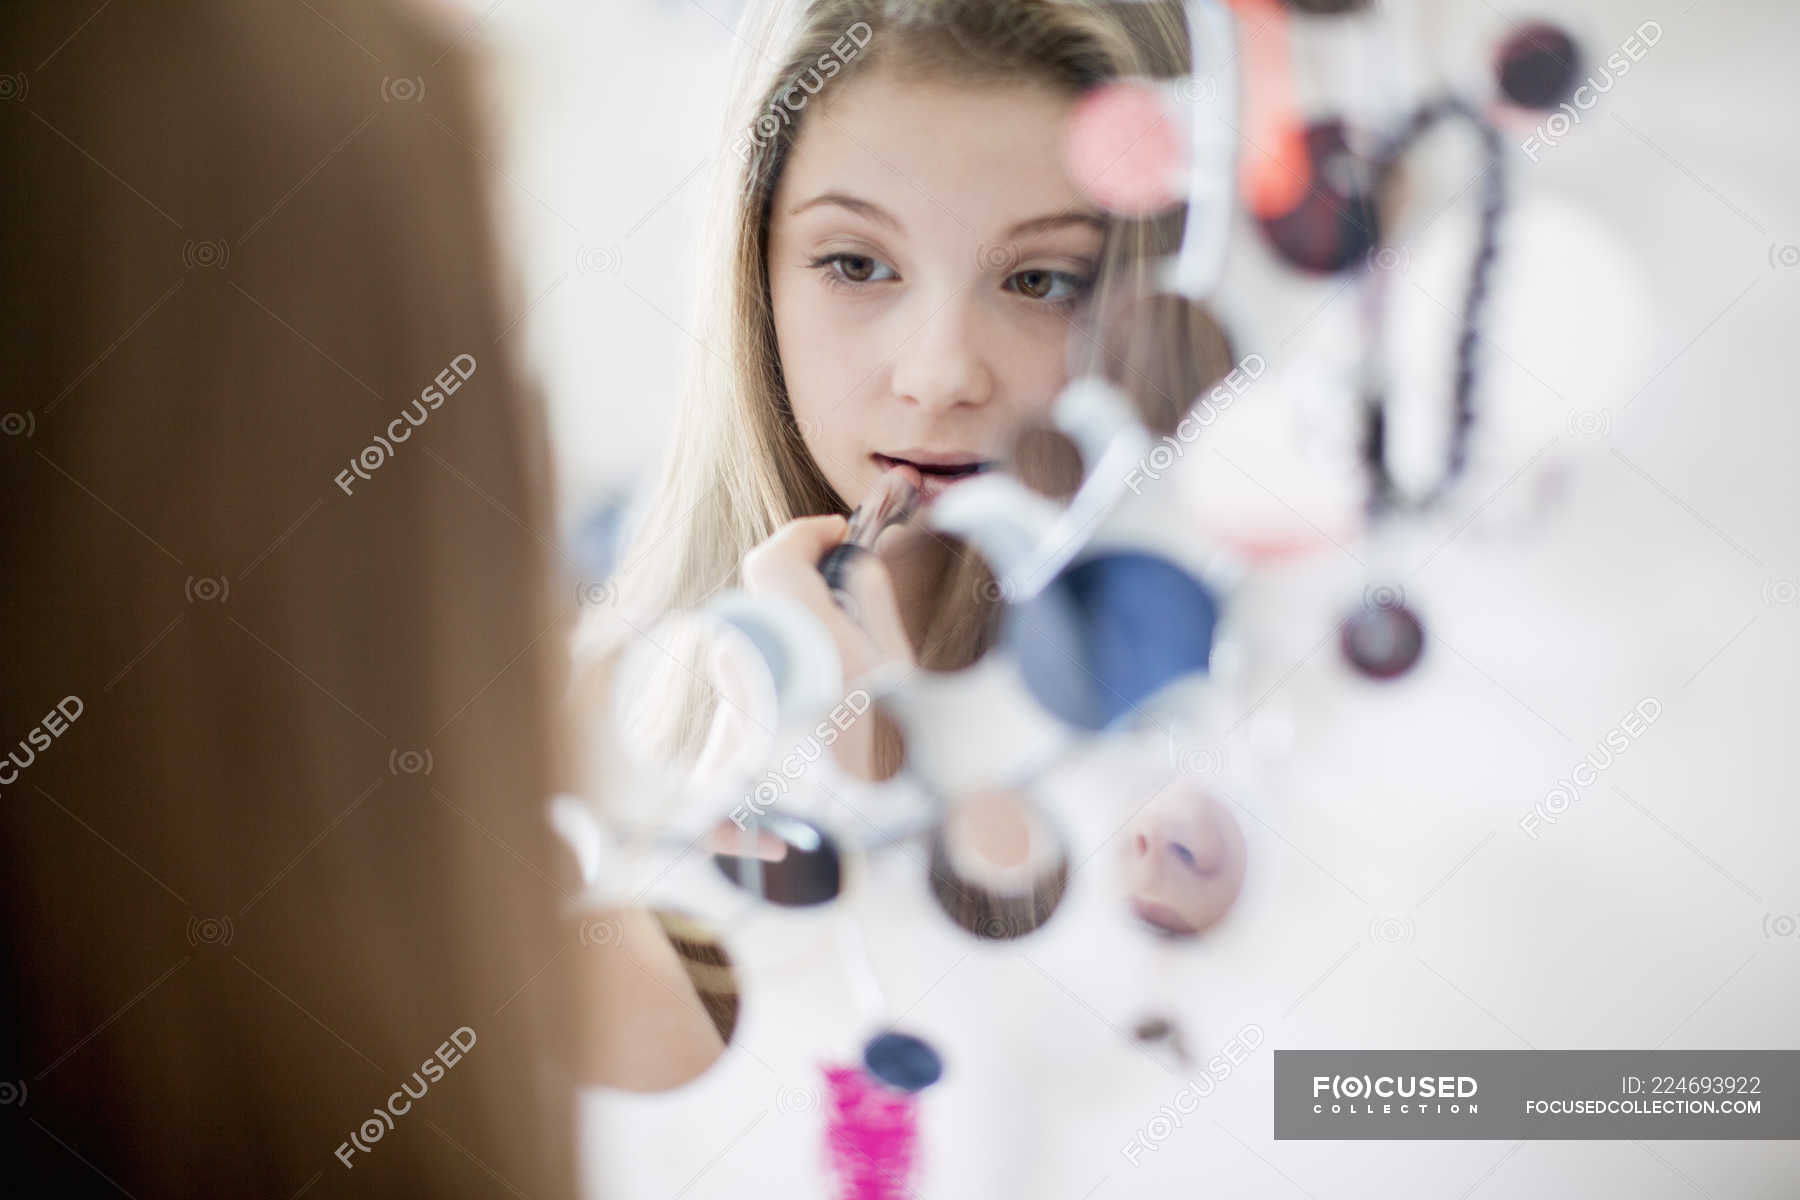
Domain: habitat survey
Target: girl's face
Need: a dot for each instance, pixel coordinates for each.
(926, 254)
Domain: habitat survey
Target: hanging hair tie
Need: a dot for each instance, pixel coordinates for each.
(1385, 494)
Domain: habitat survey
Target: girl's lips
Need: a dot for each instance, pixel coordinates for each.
(936, 471)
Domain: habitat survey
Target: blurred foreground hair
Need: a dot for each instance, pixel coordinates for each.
(276, 889)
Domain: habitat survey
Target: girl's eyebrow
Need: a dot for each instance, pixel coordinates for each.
(865, 208)
(1056, 221)
(881, 216)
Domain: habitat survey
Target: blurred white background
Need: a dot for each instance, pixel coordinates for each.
(611, 115)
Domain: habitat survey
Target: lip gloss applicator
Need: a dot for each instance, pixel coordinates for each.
(889, 502)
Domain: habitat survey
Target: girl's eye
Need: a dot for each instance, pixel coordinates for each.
(1052, 287)
(855, 268)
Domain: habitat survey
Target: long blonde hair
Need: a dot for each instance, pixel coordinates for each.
(739, 468)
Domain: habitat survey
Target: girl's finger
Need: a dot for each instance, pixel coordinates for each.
(874, 608)
(792, 553)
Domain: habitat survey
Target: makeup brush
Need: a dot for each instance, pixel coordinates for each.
(889, 502)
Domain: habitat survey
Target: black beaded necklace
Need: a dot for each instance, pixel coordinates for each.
(1385, 494)
(1385, 639)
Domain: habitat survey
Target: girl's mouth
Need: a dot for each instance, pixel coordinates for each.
(936, 471)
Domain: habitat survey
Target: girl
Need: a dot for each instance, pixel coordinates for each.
(905, 276)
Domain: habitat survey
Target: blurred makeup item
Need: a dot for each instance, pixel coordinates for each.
(871, 1134)
(1537, 66)
(1302, 180)
(1165, 352)
(1047, 461)
(727, 839)
(1332, 225)
(1027, 539)
(1161, 1031)
(903, 1061)
(1277, 171)
(997, 868)
(1183, 861)
(1138, 147)
(900, 1060)
(771, 675)
(1385, 639)
(1123, 150)
(783, 859)
(1327, 8)
(890, 502)
(872, 1131)
(1110, 632)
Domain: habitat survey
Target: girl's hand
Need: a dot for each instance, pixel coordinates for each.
(870, 634)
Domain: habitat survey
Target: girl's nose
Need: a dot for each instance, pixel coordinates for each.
(942, 365)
